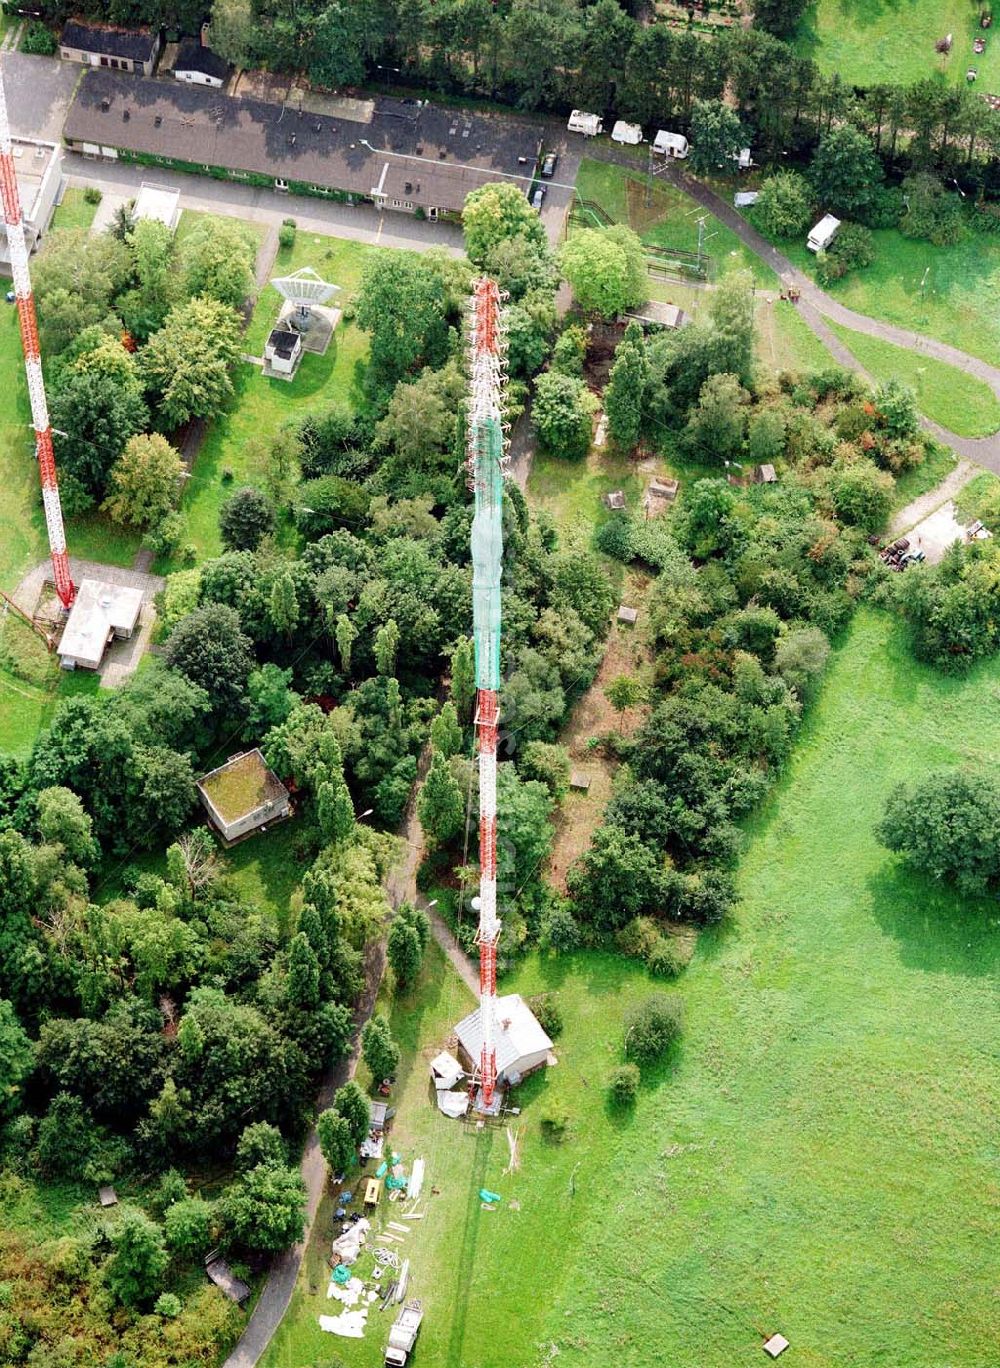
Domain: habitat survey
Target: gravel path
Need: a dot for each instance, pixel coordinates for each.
(916, 511)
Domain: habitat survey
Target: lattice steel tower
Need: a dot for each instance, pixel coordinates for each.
(32, 359)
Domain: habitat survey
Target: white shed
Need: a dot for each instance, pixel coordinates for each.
(100, 612)
(282, 352)
(823, 234)
(158, 202)
(522, 1045)
(671, 144)
(199, 65)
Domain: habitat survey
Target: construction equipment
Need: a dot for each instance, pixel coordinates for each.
(403, 1335)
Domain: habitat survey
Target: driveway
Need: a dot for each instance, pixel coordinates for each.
(39, 90)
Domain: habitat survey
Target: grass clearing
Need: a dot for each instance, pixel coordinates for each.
(866, 42)
(951, 293)
(74, 211)
(670, 220)
(819, 1155)
(231, 453)
(785, 341)
(951, 397)
(924, 477)
(980, 498)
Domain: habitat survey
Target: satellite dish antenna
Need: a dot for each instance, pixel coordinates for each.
(304, 288)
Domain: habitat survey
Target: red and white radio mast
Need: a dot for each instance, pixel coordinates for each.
(33, 360)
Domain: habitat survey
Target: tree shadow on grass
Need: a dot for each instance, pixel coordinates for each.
(937, 929)
(466, 1254)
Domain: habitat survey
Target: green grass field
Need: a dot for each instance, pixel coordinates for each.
(74, 210)
(959, 402)
(867, 42)
(952, 293)
(818, 1158)
(980, 499)
(670, 220)
(261, 407)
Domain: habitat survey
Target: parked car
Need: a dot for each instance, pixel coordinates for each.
(549, 164)
(538, 197)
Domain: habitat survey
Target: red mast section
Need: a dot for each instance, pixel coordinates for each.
(33, 360)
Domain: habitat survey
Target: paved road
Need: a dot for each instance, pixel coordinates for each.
(816, 306)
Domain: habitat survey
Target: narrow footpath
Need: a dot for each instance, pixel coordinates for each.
(815, 305)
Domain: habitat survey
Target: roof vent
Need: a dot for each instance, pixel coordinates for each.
(291, 140)
(126, 115)
(408, 187)
(317, 127)
(105, 104)
(157, 120)
(442, 153)
(420, 149)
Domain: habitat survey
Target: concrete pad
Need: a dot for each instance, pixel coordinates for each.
(937, 532)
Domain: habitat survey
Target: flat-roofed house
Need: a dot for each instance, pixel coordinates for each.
(102, 45)
(101, 613)
(38, 171)
(243, 796)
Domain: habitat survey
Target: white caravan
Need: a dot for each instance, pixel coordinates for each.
(587, 124)
(671, 144)
(823, 234)
(626, 133)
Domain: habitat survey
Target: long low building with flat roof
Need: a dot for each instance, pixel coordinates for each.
(38, 171)
(406, 155)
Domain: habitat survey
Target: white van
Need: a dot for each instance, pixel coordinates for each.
(671, 144)
(626, 133)
(587, 124)
(823, 234)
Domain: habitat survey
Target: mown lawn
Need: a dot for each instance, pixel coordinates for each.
(785, 342)
(952, 293)
(867, 42)
(74, 211)
(820, 1155)
(980, 499)
(231, 453)
(951, 397)
(670, 220)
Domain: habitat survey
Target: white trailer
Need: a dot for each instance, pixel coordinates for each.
(403, 1335)
(823, 234)
(671, 144)
(626, 133)
(587, 124)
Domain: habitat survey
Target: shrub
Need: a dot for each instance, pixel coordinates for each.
(168, 1305)
(623, 1085)
(548, 1014)
(40, 41)
(555, 1125)
(559, 930)
(784, 205)
(652, 1027)
(638, 938)
(666, 959)
(548, 763)
(949, 827)
(562, 414)
(862, 495)
(851, 250)
(286, 234)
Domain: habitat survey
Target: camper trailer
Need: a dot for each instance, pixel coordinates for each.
(671, 144)
(823, 234)
(626, 133)
(743, 159)
(587, 124)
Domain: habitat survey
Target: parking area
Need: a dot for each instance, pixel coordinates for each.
(937, 532)
(39, 90)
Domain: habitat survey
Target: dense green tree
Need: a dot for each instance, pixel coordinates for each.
(63, 821)
(715, 428)
(446, 734)
(862, 495)
(404, 304)
(335, 1141)
(144, 308)
(800, 655)
(709, 518)
(784, 204)
(494, 213)
(627, 382)
(337, 51)
(547, 763)
(404, 953)
(217, 260)
(208, 647)
(624, 692)
(345, 635)
(264, 1210)
(187, 363)
(954, 608)
(562, 414)
(846, 172)
(67, 1138)
(779, 17)
(138, 1260)
(75, 280)
(351, 1103)
(652, 1027)
(334, 808)
(16, 1061)
(530, 325)
(606, 268)
(303, 973)
(283, 605)
(187, 1225)
(260, 1143)
(716, 138)
(463, 678)
(98, 415)
(144, 482)
(234, 31)
(441, 807)
(245, 519)
(897, 408)
(948, 825)
(386, 646)
(380, 1051)
(617, 879)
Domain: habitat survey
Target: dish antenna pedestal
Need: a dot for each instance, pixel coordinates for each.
(304, 288)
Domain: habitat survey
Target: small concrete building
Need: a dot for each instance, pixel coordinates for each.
(158, 202)
(282, 352)
(38, 171)
(522, 1045)
(243, 796)
(101, 45)
(100, 613)
(199, 65)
